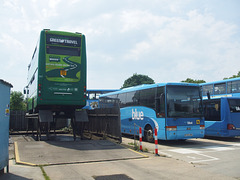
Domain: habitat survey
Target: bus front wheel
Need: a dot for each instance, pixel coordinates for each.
(148, 134)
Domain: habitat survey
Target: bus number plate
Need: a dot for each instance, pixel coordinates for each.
(188, 135)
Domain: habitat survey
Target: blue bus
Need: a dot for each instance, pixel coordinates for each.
(93, 97)
(223, 88)
(222, 116)
(218, 96)
(174, 109)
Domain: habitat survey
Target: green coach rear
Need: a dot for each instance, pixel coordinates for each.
(57, 72)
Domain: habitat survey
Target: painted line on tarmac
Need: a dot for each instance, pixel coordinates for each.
(18, 161)
(144, 156)
(194, 152)
(164, 154)
(211, 158)
(235, 144)
(17, 158)
(217, 149)
(184, 151)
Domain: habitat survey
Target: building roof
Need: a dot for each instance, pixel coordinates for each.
(6, 83)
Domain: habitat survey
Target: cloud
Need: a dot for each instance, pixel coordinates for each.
(9, 41)
(194, 45)
(167, 41)
(185, 46)
(53, 3)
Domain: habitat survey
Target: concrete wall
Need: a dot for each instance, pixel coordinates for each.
(4, 122)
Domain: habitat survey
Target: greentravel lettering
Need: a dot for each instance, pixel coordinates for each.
(67, 41)
(137, 115)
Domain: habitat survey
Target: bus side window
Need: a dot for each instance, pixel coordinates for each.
(160, 102)
(233, 87)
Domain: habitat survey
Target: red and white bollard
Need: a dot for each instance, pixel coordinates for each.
(156, 142)
(140, 138)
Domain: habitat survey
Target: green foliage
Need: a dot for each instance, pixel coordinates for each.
(17, 101)
(46, 177)
(234, 76)
(137, 79)
(189, 80)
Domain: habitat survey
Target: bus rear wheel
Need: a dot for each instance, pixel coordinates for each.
(148, 134)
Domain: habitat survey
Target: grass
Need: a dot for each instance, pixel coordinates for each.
(44, 173)
(136, 147)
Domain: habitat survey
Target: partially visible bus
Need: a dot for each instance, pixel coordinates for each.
(223, 88)
(222, 116)
(57, 73)
(93, 97)
(174, 109)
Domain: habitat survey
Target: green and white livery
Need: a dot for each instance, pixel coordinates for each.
(57, 72)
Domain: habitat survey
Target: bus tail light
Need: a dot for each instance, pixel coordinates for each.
(171, 128)
(85, 91)
(39, 90)
(231, 127)
(202, 127)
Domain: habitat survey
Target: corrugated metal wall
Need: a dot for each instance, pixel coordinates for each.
(4, 122)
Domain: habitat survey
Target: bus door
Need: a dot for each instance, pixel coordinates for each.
(212, 115)
(160, 102)
(234, 114)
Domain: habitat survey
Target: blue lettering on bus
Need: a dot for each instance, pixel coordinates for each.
(137, 115)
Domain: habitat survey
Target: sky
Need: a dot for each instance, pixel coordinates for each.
(169, 41)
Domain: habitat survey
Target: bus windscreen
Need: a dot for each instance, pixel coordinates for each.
(183, 102)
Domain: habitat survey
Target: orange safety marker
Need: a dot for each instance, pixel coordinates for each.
(140, 138)
(156, 142)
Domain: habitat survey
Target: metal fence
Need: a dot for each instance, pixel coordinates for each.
(100, 121)
(18, 122)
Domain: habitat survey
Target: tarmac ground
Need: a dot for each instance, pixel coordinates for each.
(92, 159)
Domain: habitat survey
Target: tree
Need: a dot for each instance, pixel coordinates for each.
(234, 76)
(137, 79)
(17, 101)
(189, 80)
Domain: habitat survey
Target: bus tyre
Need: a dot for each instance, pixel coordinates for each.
(148, 134)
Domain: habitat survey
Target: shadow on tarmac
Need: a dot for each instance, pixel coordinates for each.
(227, 139)
(10, 176)
(67, 141)
(213, 141)
(71, 152)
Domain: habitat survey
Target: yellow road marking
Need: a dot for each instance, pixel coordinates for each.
(17, 158)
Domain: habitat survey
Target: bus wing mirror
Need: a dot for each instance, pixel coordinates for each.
(208, 95)
(25, 91)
